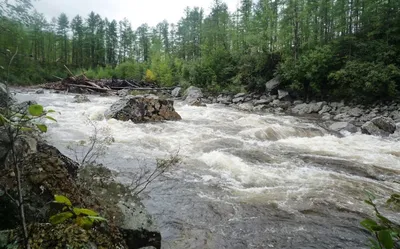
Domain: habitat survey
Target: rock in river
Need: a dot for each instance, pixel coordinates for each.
(380, 126)
(141, 109)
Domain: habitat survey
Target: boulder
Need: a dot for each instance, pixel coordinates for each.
(240, 95)
(5, 98)
(325, 109)
(380, 126)
(284, 104)
(23, 106)
(326, 116)
(395, 115)
(283, 95)
(237, 100)
(81, 99)
(226, 100)
(263, 101)
(140, 109)
(260, 108)
(355, 112)
(339, 126)
(176, 92)
(39, 91)
(316, 107)
(272, 84)
(46, 174)
(197, 102)
(246, 107)
(122, 92)
(192, 93)
(297, 102)
(301, 109)
(304, 108)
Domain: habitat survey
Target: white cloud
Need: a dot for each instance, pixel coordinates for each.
(137, 11)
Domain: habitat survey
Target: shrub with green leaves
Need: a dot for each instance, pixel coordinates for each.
(386, 233)
(82, 217)
(366, 80)
(26, 120)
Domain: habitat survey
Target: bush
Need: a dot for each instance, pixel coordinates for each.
(309, 73)
(366, 81)
(129, 70)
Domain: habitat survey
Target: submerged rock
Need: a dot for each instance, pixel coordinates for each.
(197, 102)
(39, 91)
(339, 126)
(140, 109)
(81, 99)
(380, 126)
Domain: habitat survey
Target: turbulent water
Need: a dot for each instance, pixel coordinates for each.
(246, 180)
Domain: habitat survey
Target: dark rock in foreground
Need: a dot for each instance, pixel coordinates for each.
(141, 109)
(46, 173)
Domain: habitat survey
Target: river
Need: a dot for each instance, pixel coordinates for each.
(246, 180)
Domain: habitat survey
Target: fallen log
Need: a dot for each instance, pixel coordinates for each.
(142, 88)
(89, 87)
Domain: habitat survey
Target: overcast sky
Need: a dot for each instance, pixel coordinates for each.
(137, 11)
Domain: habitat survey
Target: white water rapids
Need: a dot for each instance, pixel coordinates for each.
(247, 180)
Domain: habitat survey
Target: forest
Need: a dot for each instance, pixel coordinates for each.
(320, 49)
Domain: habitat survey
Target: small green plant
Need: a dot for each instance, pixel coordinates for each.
(83, 217)
(26, 120)
(385, 231)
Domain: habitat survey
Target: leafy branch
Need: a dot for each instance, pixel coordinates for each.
(385, 231)
(83, 217)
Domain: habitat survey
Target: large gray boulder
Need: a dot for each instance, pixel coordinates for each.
(283, 95)
(355, 112)
(339, 126)
(273, 84)
(301, 109)
(304, 108)
(138, 226)
(226, 100)
(176, 92)
(380, 126)
(141, 109)
(192, 94)
(263, 101)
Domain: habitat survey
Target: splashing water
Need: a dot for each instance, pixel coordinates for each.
(247, 180)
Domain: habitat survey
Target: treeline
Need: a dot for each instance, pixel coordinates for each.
(323, 49)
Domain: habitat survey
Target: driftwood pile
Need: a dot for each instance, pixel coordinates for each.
(80, 83)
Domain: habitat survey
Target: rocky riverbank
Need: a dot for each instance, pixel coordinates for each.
(46, 172)
(378, 119)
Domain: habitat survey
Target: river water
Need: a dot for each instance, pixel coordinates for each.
(246, 180)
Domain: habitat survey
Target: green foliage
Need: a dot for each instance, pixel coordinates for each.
(28, 120)
(386, 232)
(129, 70)
(322, 49)
(366, 81)
(82, 217)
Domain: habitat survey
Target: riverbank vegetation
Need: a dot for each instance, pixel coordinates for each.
(342, 49)
(321, 49)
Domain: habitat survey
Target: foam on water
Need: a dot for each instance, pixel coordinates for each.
(236, 156)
